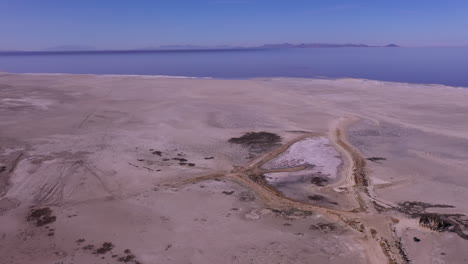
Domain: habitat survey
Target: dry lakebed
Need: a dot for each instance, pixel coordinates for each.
(148, 169)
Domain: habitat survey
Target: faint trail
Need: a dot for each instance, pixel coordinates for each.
(100, 180)
(86, 118)
(83, 121)
(15, 163)
(6, 174)
(51, 191)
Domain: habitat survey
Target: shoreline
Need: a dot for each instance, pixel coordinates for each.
(435, 85)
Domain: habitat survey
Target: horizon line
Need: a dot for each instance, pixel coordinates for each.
(189, 47)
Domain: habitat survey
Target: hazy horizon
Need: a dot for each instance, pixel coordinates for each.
(72, 47)
(120, 24)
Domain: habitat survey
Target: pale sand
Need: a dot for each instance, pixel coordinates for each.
(80, 145)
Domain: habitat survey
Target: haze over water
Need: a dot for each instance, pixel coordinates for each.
(446, 66)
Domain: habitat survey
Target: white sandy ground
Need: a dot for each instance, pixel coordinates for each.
(318, 156)
(80, 144)
(317, 152)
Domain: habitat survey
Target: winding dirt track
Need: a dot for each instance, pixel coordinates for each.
(371, 219)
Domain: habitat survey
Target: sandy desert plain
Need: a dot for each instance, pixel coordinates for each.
(147, 169)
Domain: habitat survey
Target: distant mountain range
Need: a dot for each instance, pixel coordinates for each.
(322, 45)
(89, 49)
(198, 47)
(265, 46)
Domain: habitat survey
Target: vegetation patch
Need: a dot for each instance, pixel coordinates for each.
(128, 258)
(415, 209)
(436, 222)
(41, 216)
(319, 181)
(291, 213)
(257, 141)
(456, 223)
(246, 196)
(323, 227)
(376, 159)
(106, 247)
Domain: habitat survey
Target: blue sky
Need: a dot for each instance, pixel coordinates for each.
(126, 24)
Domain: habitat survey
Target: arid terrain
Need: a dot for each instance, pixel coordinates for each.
(148, 169)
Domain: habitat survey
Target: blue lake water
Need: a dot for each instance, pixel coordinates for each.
(447, 66)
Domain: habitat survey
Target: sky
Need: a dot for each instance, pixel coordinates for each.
(128, 24)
